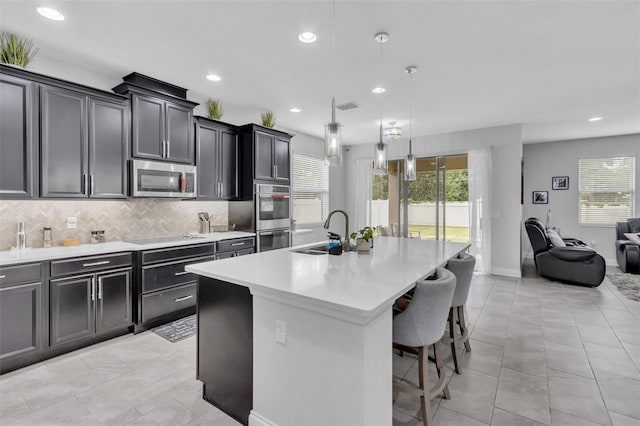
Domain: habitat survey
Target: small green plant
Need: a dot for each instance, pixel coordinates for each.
(268, 119)
(16, 50)
(365, 233)
(214, 109)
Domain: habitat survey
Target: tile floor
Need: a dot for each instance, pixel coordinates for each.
(543, 353)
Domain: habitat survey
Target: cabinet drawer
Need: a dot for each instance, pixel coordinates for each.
(167, 301)
(20, 274)
(89, 264)
(245, 252)
(157, 277)
(232, 245)
(167, 255)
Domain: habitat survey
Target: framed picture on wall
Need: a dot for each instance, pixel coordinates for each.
(560, 182)
(540, 197)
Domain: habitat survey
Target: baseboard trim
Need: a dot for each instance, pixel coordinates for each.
(506, 272)
(256, 419)
(611, 262)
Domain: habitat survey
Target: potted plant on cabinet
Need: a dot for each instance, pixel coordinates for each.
(16, 50)
(268, 119)
(364, 239)
(214, 109)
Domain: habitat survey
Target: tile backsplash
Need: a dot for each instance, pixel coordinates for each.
(121, 220)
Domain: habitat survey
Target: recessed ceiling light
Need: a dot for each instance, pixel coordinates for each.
(295, 110)
(595, 119)
(378, 90)
(307, 37)
(213, 77)
(50, 13)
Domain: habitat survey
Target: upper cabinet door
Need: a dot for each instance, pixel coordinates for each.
(63, 115)
(179, 133)
(207, 163)
(147, 136)
(229, 164)
(18, 152)
(281, 154)
(108, 149)
(263, 159)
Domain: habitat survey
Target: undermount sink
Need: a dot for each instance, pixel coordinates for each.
(316, 250)
(169, 239)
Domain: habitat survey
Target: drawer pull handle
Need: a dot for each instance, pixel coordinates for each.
(238, 244)
(180, 299)
(2, 276)
(102, 262)
(177, 274)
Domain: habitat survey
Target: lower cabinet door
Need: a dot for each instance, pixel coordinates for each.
(20, 320)
(113, 300)
(72, 314)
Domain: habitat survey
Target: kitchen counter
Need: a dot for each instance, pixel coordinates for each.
(307, 338)
(39, 254)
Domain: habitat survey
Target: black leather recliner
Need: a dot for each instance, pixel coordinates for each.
(627, 252)
(575, 264)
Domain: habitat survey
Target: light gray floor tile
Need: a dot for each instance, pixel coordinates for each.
(445, 417)
(577, 396)
(524, 356)
(13, 406)
(171, 413)
(472, 394)
(613, 360)
(565, 335)
(506, 418)
(588, 316)
(402, 364)
(484, 358)
(568, 359)
(557, 314)
(493, 332)
(558, 418)
(628, 333)
(621, 394)
(399, 419)
(620, 420)
(599, 335)
(523, 394)
(634, 353)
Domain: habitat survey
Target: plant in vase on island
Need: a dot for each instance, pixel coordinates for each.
(364, 239)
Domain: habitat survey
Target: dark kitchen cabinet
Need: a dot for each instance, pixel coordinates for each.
(18, 138)
(234, 248)
(22, 314)
(217, 160)
(161, 119)
(84, 144)
(95, 298)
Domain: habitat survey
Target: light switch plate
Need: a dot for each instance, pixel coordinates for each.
(281, 331)
(72, 222)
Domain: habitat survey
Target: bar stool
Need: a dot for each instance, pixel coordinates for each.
(421, 325)
(462, 267)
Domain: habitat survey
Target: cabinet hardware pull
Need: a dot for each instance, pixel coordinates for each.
(93, 289)
(168, 149)
(276, 173)
(273, 170)
(164, 145)
(92, 184)
(265, 233)
(238, 244)
(2, 276)
(180, 299)
(84, 188)
(102, 262)
(99, 288)
(177, 274)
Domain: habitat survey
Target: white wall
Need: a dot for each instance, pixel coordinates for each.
(544, 160)
(506, 143)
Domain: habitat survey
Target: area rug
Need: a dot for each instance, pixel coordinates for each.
(178, 330)
(628, 284)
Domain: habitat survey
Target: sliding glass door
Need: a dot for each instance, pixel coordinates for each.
(434, 206)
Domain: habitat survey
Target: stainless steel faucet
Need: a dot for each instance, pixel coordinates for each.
(346, 227)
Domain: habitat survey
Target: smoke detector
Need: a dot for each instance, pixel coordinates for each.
(348, 105)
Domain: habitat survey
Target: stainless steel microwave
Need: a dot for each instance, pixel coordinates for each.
(156, 179)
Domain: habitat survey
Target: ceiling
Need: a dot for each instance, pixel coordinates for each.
(550, 65)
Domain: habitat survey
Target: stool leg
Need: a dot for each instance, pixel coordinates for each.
(423, 373)
(463, 328)
(442, 373)
(452, 335)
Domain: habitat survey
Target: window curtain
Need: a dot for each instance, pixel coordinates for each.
(480, 207)
(364, 189)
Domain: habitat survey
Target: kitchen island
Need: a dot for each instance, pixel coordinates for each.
(288, 338)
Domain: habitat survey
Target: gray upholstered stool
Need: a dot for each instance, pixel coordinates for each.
(421, 325)
(462, 267)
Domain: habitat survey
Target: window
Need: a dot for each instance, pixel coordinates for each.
(310, 189)
(607, 190)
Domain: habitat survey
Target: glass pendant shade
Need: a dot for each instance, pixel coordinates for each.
(380, 159)
(410, 167)
(333, 144)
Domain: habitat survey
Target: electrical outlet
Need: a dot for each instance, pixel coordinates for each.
(72, 222)
(281, 331)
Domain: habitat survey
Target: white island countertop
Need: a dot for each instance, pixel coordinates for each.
(9, 257)
(356, 284)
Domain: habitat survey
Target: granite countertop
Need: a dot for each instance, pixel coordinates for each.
(353, 283)
(8, 257)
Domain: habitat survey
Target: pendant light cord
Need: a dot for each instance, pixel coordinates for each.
(410, 109)
(381, 43)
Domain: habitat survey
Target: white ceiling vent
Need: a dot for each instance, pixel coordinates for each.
(348, 105)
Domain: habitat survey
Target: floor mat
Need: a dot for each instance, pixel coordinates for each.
(628, 284)
(178, 330)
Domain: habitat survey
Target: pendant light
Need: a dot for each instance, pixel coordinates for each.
(380, 159)
(410, 161)
(333, 130)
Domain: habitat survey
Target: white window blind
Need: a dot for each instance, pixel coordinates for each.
(310, 189)
(607, 190)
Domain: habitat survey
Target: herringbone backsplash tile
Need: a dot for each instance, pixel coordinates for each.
(121, 220)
